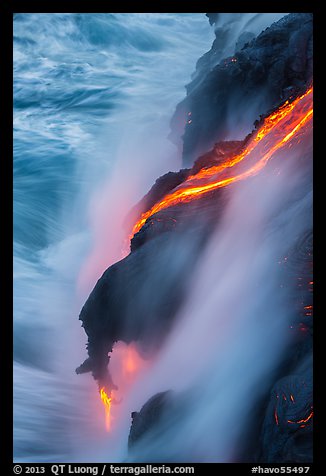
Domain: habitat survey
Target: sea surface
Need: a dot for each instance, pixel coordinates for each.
(93, 97)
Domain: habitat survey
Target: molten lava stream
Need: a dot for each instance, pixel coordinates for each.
(126, 365)
(278, 129)
(107, 402)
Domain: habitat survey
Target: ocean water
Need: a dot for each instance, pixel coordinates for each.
(93, 97)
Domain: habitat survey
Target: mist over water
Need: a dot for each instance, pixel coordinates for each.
(93, 97)
(233, 329)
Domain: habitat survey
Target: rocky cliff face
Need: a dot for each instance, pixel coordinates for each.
(260, 73)
(137, 299)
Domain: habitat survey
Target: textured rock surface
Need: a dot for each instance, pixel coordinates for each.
(281, 424)
(249, 83)
(287, 428)
(150, 415)
(137, 298)
(277, 64)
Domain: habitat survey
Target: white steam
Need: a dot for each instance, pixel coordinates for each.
(94, 96)
(233, 329)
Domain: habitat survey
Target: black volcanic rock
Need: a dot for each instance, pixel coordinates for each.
(228, 97)
(212, 17)
(161, 187)
(245, 38)
(280, 428)
(288, 424)
(149, 417)
(137, 299)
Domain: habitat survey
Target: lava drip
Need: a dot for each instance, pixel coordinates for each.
(107, 402)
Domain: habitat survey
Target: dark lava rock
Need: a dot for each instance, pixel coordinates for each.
(137, 298)
(218, 154)
(228, 97)
(288, 425)
(212, 17)
(150, 416)
(243, 40)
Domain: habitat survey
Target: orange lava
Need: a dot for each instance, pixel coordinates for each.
(304, 420)
(107, 401)
(126, 364)
(276, 131)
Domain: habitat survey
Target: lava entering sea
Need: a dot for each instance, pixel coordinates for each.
(275, 132)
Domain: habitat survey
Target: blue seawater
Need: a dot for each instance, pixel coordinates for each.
(88, 90)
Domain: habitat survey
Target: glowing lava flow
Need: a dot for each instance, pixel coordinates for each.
(126, 364)
(276, 130)
(107, 401)
(303, 420)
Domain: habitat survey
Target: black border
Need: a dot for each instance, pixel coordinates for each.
(6, 190)
(6, 79)
(190, 6)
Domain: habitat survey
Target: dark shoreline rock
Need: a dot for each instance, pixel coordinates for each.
(136, 299)
(151, 414)
(264, 72)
